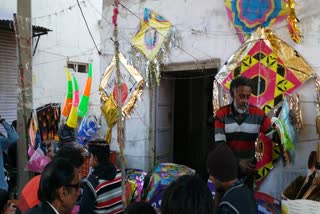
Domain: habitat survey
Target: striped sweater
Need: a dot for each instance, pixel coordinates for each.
(107, 194)
(240, 133)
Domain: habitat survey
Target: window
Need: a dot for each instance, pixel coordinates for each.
(78, 66)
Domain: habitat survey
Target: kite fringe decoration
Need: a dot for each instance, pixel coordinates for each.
(317, 86)
(295, 108)
(215, 97)
(151, 64)
(292, 19)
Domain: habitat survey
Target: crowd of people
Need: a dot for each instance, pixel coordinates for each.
(230, 164)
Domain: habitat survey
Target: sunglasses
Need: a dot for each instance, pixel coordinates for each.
(76, 186)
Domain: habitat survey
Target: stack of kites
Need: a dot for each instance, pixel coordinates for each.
(161, 177)
(134, 184)
(73, 107)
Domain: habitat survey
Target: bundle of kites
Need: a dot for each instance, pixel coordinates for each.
(150, 47)
(275, 68)
(73, 108)
(44, 125)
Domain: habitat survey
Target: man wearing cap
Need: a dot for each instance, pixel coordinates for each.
(234, 196)
(238, 125)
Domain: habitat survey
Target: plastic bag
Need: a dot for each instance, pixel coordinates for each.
(37, 161)
(88, 127)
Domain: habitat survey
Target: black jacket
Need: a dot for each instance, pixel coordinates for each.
(238, 199)
(42, 208)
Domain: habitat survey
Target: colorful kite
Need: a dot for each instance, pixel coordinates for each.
(73, 117)
(154, 37)
(163, 175)
(84, 101)
(151, 34)
(247, 15)
(275, 68)
(269, 156)
(131, 89)
(286, 130)
(68, 100)
(131, 86)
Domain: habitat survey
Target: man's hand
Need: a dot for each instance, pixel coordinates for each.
(247, 167)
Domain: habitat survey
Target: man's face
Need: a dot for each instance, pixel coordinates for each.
(217, 184)
(93, 161)
(72, 192)
(241, 96)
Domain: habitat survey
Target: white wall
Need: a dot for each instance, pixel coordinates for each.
(68, 40)
(206, 33)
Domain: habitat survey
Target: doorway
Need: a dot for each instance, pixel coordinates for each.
(192, 117)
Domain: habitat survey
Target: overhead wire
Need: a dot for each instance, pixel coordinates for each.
(84, 18)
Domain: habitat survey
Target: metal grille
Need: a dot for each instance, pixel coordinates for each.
(8, 77)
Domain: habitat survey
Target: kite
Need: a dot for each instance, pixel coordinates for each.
(131, 86)
(73, 117)
(153, 39)
(247, 15)
(151, 34)
(267, 154)
(68, 100)
(162, 176)
(275, 68)
(131, 89)
(84, 101)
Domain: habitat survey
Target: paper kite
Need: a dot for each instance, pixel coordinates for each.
(275, 68)
(131, 84)
(152, 32)
(247, 15)
(151, 44)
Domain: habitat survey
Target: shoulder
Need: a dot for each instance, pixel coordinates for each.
(224, 110)
(227, 208)
(256, 110)
(239, 193)
(42, 208)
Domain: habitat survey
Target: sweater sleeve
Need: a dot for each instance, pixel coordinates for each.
(219, 133)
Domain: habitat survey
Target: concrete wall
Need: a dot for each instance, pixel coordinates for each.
(68, 40)
(206, 33)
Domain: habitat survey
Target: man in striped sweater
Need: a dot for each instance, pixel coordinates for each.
(102, 189)
(239, 124)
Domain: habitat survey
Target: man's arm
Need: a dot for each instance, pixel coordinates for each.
(266, 127)
(11, 133)
(219, 133)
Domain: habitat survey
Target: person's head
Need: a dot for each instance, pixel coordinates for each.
(140, 207)
(222, 166)
(188, 194)
(4, 197)
(72, 154)
(66, 134)
(59, 185)
(240, 90)
(99, 152)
